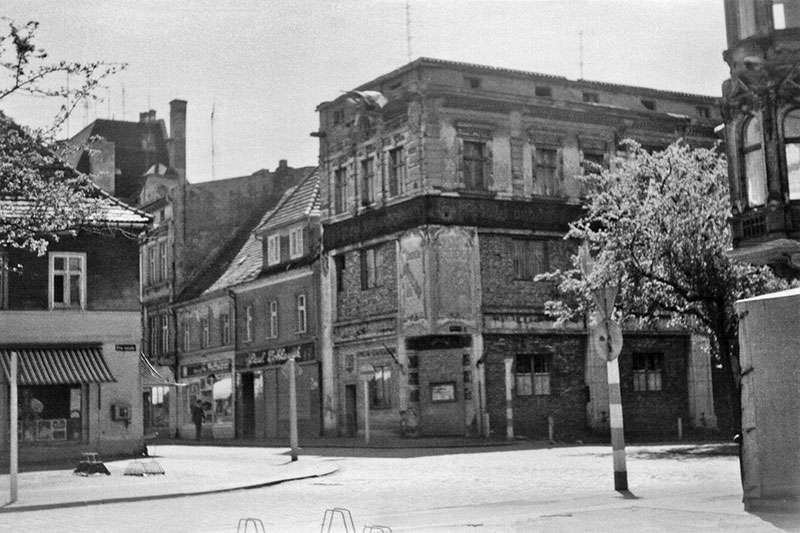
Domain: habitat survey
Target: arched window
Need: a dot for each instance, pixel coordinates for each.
(755, 171)
(791, 139)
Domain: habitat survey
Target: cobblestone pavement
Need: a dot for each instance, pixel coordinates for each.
(512, 489)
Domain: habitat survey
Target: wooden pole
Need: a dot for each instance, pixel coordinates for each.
(13, 437)
(293, 407)
(617, 431)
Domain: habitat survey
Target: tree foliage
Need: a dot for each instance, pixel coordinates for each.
(657, 226)
(48, 196)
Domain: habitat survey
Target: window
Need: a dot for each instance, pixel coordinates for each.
(225, 328)
(649, 104)
(529, 258)
(546, 171)
(164, 334)
(593, 162)
(153, 344)
(50, 413)
(338, 117)
(370, 267)
(187, 336)
(300, 325)
(273, 320)
(533, 374)
(473, 82)
(543, 91)
(746, 19)
(367, 177)
(791, 139)
(162, 256)
(295, 243)
(340, 190)
(273, 249)
(397, 170)
(67, 280)
(379, 388)
(647, 369)
(785, 14)
(475, 161)
(591, 98)
(703, 111)
(248, 323)
(340, 265)
(151, 264)
(4, 273)
(755, 171)
(204, 332)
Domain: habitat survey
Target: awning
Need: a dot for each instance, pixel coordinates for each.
(58, 365)
(150, 376)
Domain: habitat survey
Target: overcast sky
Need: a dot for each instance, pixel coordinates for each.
(264, 65)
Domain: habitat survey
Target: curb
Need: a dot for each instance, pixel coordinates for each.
(129, 499)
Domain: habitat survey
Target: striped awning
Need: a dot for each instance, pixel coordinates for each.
(150, 376)
(58, 365)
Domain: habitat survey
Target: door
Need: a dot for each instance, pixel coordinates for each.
(351, 410)
(248, 406)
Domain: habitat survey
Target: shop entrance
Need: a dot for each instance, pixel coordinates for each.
(248, 406)
(350, 410)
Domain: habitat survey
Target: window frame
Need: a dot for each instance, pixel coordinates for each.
(795, 142)
(187, 336)
(272, 332)
(225, 328)
(340, 190)
(301, 313)
(380, 387)
(396, 170)
(475, 158)
(205, 332)
(533, 374)
(248, 323)
(163, 261)
(523, 258)
(371, 260)
(367, 172)
(273, 249)
(547, 172)
(295, 243)
(164, 319)
(52, 256)
(749, 149)
(649, 376)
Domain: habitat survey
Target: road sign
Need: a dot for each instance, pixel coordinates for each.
(607, 339)
(366, 373)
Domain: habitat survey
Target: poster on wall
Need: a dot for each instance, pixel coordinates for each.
(412, 278)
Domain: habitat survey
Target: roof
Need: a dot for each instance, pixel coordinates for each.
(300, 202)
(427, 62)
(297, 202)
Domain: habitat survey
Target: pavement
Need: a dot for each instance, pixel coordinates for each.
(195, 468)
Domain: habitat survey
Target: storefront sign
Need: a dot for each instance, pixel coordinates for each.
(275, 356)
(201, 369)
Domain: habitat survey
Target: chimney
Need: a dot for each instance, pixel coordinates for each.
(147, 116)
(177, 137)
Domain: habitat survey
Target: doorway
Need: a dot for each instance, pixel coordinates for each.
(248, 406)
(350, 410)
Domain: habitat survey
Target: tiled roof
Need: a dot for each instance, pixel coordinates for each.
(298, 202)
(303, 201)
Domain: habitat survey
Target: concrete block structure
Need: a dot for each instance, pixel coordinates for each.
(446, 188)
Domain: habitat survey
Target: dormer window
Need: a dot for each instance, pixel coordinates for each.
(295, 243)
(273, 249)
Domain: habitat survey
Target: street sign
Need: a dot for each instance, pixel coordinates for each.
(607, 339)
(366, 373)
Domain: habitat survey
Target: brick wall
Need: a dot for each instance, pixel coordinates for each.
(355, 302)
(567, 400)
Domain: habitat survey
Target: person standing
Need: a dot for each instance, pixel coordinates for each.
(197, 418)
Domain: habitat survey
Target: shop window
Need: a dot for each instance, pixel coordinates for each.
(4, 273)
(67, 280)
(50, 413)
(647, 370)
(215, 392)
(791, 137)
(367, 181)
(273, 320)
(225, 328)
(755, 170)
(529, 258)
(248, 323)
(370, 268)
(204, 332)
(475, 162)
(273, 249)
(546, 171)
(533, 374)
(397, 170)
(300, 324)
(295, 243)
(380, 389)
(340, 190)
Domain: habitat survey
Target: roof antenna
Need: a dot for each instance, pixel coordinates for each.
(408, 29)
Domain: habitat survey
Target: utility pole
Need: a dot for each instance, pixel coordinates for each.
(13, 437)
(292, 370)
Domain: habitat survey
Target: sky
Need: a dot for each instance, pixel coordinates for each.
(263, 66)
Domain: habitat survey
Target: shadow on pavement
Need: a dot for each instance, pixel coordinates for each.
(784, 521)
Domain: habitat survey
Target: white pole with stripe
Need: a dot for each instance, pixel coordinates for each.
(617, 430)
(509, 362)
(13, 437)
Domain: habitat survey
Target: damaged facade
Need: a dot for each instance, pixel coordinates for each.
(445, 189)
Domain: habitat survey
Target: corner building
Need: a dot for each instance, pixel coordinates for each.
(446, 188)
